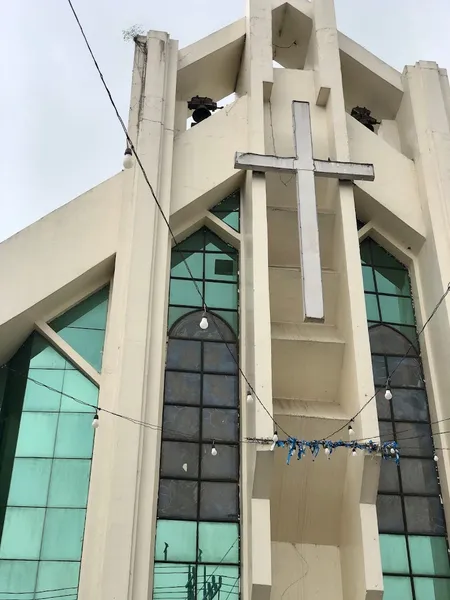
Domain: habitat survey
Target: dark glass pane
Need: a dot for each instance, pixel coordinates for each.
(389, 511)
(221, 267)
(219, 358)
(419, 476)
(225, 465)
(388, 477)
(220, 390)
(373, 313)
(215, 244)
(364, 250)
(397, 588)
(176, 540)
(410, 405)
(219, 501)
(182, 388)
(179, 459)
(194, 260)
(220, 425)
(414, 439)
(392, 281)
(187, 292)
(429, 555)
(189, 327)
(221, 295)
(218, 542)
(379, 370)
(407, 372)
(194, 243)
(424, 515)
(386, 431)
(369, 284)
(382, 258)
(396, 310)
(177, 499)
(383, 405)
(394, 555)
(182, 354)
(181, 422)
(427, 588)
(386, 340)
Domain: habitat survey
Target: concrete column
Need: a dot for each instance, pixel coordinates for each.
(361, 570)
(424, 125)
(256, 79)
(119, 540)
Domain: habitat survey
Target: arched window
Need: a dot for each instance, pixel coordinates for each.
(410, 516)
(197, 530)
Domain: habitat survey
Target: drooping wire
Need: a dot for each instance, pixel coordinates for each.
(138, 160)
(389, 377)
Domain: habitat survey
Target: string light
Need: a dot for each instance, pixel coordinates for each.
(213, 449)
(96, 421)
(128, 159)
(435, 458)
(249, 398)
(350, 430)
(388, 393)
(204, 322)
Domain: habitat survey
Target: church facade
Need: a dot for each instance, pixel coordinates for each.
(271, 286)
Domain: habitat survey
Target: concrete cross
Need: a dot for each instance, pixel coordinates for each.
(305, 167)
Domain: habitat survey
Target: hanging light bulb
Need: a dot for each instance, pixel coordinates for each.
(275, 437)
(249, 397)
(435, 458)
(354, 452)
(392, 450)
(204, 322)
(327, 452)
(96, 421)
(128, 159)
(388, 394)
(350, 429)
(214, 450)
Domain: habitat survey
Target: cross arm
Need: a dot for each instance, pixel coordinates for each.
(346, 171)
(263, 163)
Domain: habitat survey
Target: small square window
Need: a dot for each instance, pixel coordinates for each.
(182, 388)
(221, 295)
(29, 482)
(22, 533)
(185, 292)
(431, 589)
(180, 460)
(390, 516)
(219, 501)
(419, 476)
(176, 540)
(397, 588)
(177, 499)
(181, 423)
(184, 355)
(373, 314)
(219, 357)
(396, 310)
(40, 398)
(394, 555)
(18, 577)
(75, 437)
(220, 390)
(63, 534)
(225, 465)
(69, 483)
(37, 434)
(57, 575)
(218, 542)
(429, 555)
(221, 425)
(424, 515)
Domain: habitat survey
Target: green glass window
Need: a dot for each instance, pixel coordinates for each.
(228, 210)
(411, 522)
(46, 452)
(84, 326)
(197, 532)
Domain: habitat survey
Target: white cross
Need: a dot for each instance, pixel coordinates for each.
(305, 167)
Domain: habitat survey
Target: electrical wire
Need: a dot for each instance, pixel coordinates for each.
(138, 160)
(389, 377)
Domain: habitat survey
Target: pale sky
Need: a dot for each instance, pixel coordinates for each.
(60, 136)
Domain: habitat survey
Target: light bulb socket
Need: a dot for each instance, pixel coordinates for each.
(128, 152)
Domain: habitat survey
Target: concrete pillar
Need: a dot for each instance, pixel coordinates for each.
(117, 557)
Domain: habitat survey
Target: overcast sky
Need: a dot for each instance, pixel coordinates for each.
(59, 134)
